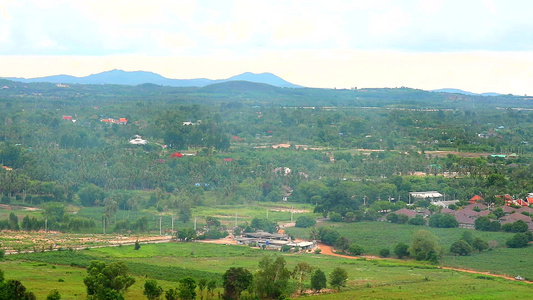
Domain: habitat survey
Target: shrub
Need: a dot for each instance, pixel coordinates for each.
(401, 250)
(519, 240)
(443, 221)
(461, 247)
(335, 217)
(328, 235)
(355, 249)
(305, 221)
(384, 252)
(418, 220)
(480, 244)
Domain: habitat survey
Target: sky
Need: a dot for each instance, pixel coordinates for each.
(474, 45)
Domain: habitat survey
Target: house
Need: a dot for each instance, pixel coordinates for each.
(475, 199)
(120, 121)
(68, 118)
(138, 141)
(465, 221)
(432, 196)
(407, 212)
(478, 205)
(511, 218)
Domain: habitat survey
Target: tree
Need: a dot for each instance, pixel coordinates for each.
(171, 294)
(202, 283)
(519, 240)
(443, 221)
(480, 244)
(519, 226)
(342, 243)
(106, 281)
(384, 252)
(318, 280)
(328, 235)
(461, 247)
(301, 270)
(335, 217)
(425, 246)
(468, 237)
(272, 278)
(234, 281)
(152, 290)
(355, 249)
(53, 295)
(338, 278)
(187, 288)
(14, 289)
(418, 220)
(90, 195)
(401, 250)
(305, 221)
(137, 245)
(211, 286)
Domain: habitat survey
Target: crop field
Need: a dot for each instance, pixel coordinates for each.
(373, 236)
(169, 262)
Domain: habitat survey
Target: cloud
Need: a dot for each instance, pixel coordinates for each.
(166, 27)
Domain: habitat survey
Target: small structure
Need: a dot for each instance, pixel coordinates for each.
(432, 196)
(138, 141)
(475, 199)
(120, 121)
(273, 241)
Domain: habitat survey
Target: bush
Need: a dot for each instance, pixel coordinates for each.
(328, 235)
(418, 220)
(384, 252)
(519, 240)
(305, 221)
(285, 248)
(443, 221)
(401, 250)
(355, 249)
(461, 247)
(335, 217)
(480, 244)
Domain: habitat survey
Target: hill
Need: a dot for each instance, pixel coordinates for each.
(140, 77)
(458, 91)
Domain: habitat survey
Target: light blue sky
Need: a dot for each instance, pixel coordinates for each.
(478, 45)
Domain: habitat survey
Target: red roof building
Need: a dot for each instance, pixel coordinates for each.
(475, 199)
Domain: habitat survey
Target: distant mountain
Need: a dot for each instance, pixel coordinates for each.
(142, 77)
(458, 91)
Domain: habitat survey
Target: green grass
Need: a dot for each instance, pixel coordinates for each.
(245, 213)
(168, 262)
(373, 236)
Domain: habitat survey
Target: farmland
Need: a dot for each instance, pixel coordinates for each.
(170, 261)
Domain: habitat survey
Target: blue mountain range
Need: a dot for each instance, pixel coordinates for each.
(141, 77)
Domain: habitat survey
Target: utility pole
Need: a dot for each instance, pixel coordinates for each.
(267, 213)
(104, 225)
(194, 223)
(292, 212)
(160, 217)
(235, 220)
(172, 224)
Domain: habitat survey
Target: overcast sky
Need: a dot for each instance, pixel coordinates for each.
(476, 45)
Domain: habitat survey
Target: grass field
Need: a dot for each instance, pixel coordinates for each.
(373, 236)
(388, 279)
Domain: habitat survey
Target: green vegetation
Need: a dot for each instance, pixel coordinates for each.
(236, 158)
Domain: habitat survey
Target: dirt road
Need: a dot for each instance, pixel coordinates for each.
(327, 250)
